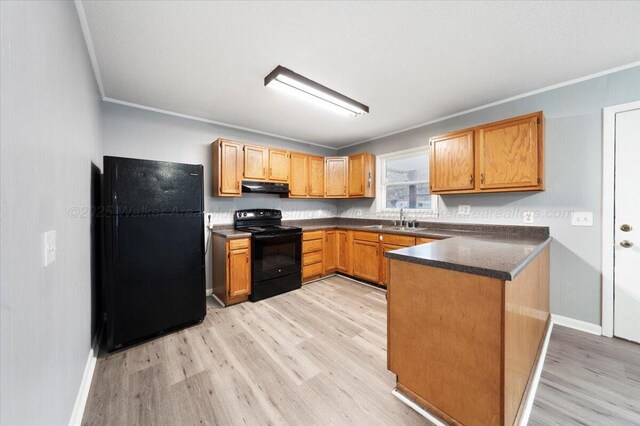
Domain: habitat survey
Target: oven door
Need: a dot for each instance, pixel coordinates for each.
(275, 256)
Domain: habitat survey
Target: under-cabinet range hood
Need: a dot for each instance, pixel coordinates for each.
(264, 187)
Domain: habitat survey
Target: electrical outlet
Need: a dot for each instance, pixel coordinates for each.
(464, 210)
(582, 218)
(209, 222)
(49, 247)
(359, 212)
(527, 217)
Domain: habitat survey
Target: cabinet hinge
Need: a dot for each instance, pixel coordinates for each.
(538, 120)
(539, 181)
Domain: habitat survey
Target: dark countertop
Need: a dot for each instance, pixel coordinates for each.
(496, 251)
(230, 233)
(494, 256)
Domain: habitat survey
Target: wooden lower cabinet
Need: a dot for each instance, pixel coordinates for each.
(344, 241)
(366, 259)
(312, 255)
(231, 269)
(354, 253)
(330, 252)
(384, 263)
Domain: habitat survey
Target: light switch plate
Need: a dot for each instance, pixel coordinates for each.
(49, 247)
(527, 217)
(464, 210)
(582, 218)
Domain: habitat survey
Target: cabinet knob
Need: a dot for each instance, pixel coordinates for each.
(471, 179)
(625, 228)
(626, 243)
(481, 177)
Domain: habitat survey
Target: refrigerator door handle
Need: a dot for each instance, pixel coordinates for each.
(115, 242)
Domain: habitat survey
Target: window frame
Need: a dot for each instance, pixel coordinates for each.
(381, 199)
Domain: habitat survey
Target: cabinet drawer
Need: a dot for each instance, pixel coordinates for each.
(311, 246)
(311, 258)
(399, 240)
(423, 240)
(239, 243)
(312, 235)
(365, 236)
(311, 270)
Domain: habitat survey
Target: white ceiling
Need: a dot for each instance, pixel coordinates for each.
(409, 62)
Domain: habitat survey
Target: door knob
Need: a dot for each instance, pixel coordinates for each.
(625, 228)
(626, 243)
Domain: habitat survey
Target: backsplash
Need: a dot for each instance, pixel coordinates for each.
(292, 209)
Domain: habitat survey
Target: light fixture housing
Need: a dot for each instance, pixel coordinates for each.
(285, 80)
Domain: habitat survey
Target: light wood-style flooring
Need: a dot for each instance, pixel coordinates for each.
(318, 356)
(588, 380)
(315, 356)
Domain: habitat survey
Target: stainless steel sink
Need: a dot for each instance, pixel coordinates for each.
(392, 228)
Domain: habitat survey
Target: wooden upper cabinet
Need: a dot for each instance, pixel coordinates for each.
(239, 270)
(227, 176)
(316, 176)
(362, 175)
(503, 156)
(278, 165)
(510, 154)
(452, 162)
(335, 177)
(298, 184)
(255, 162)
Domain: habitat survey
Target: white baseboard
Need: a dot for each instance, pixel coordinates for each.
(532, 388)
(85, 385)
(587, 327)
(424, 413)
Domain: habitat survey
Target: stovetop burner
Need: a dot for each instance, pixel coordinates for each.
(262, 221)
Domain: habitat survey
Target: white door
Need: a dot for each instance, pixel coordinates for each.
(627, 227)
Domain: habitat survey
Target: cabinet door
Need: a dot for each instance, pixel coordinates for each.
(342, 262)
(278, 165)
(384, 263)
(239, 270)
(451, 164)
(335, 176)
(298, 186)
(316, 177)
(255, 162)
(508, 154)
(330, 251)
(230, 168)
(366, 260)
(356, 175)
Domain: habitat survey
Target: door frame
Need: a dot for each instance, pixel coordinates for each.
(608, 206)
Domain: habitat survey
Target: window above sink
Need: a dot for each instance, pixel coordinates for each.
(403, 180)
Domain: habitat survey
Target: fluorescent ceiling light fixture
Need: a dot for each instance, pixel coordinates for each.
(287, 81)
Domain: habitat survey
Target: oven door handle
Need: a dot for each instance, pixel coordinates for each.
(286, 237)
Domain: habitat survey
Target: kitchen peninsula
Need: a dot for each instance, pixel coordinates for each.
(467, 318)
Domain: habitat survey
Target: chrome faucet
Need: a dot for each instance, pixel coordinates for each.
(401, 217)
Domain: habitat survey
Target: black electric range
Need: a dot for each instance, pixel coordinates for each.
(276, 252)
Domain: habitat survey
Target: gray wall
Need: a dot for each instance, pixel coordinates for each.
(50, 139)
(573, 181)
(137, 133)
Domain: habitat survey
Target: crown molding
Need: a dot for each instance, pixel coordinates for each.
(503, 101)
(89, 42)
(206, 120)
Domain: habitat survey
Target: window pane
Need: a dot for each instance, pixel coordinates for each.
(415, 196)
(407, 169)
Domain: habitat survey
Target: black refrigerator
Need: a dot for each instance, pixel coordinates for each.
(154, 248)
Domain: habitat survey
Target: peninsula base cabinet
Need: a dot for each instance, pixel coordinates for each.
(231, 269)
(465, 346)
